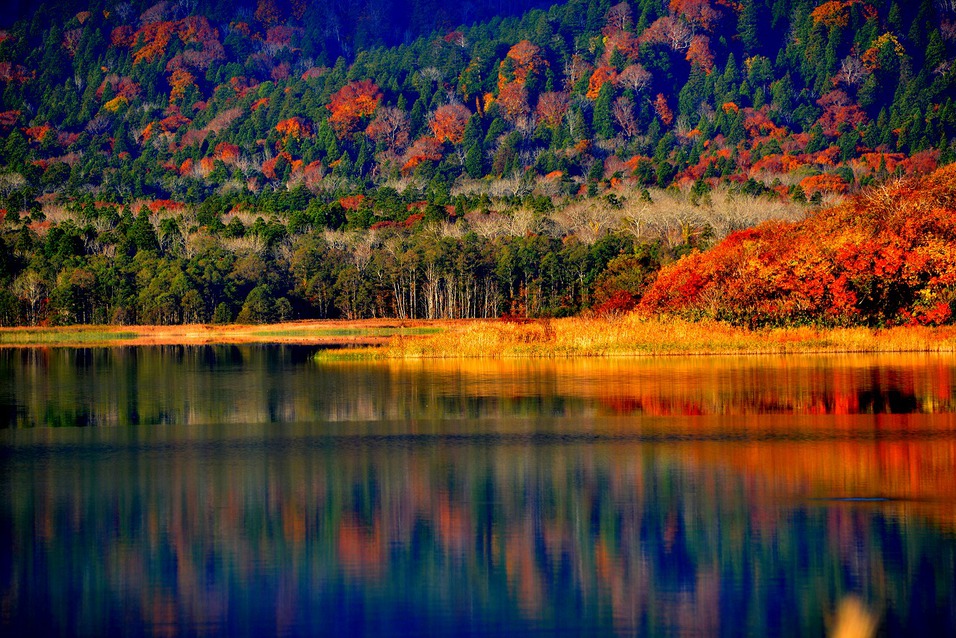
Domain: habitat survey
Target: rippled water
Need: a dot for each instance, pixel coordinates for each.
(253, 491)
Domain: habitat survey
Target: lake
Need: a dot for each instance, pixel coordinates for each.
(251, 490)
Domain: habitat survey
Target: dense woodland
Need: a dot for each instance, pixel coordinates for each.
(199, 161)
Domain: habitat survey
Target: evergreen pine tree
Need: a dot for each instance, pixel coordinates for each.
(474, 150)
(693, 93)
(142, 234)
(935, 51)
(748, 26)
(602, 112)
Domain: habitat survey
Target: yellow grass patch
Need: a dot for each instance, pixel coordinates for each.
(634, 335)
(352, 333)
(630, 335)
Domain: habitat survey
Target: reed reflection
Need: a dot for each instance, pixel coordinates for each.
(282, 384)
(370, 536)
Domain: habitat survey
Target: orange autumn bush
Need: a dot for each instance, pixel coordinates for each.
(884, 257)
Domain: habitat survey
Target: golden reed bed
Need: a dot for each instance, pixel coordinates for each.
(629, 335)
(633, 335)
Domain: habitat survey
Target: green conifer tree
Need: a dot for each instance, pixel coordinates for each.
(602, 112)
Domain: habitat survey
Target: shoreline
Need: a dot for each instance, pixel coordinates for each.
(321, 332)
(574, 337)
(633, 335)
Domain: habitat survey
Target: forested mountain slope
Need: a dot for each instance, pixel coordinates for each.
(140, 137)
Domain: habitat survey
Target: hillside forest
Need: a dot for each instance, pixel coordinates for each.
(764, 162)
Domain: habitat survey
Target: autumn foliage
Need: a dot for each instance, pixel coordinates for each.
(513, 100)
(449, 123)
(578, 134)
(156, 38)
(9, 118)
(179, 82)
(834, 13)
(424, 149)
(351, 103)
(699, 54)
(391, 125)
(174, 121)
(121, 86)
(551, 108)
(663, 110)
(294, 127)
(701, 13)
(274, 166)
(781, 93)
(601, 76)
(823, 184)
(839, 110)
(123, 36)
(525, 59)
(885, 257)
(870, 57)
(10, 72)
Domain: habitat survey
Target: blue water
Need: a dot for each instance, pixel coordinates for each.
(252, 491)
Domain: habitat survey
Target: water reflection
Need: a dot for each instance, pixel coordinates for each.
(469, 499)
(694, 538)
(260, 384)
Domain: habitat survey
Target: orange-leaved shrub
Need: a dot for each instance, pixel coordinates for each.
(884, 257)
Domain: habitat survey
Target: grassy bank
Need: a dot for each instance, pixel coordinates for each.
(572, 337)
(366, 332)
(634, 336)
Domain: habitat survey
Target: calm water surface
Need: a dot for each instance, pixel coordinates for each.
(253, 491)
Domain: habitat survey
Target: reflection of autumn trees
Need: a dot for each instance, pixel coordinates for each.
(486, 486)
(250, 384)
(653, 537)
(915, 474)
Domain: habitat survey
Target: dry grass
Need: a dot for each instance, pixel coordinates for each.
(635, 336)
(630, 335)
(370, 332)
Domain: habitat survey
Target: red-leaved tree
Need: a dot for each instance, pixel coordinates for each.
(449, 122)
(350, 104)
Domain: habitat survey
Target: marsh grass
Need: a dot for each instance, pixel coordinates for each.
(629, 335)
(361, 353)
(313, 332)
(60, 336)
(634, 335)
(348, 332)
